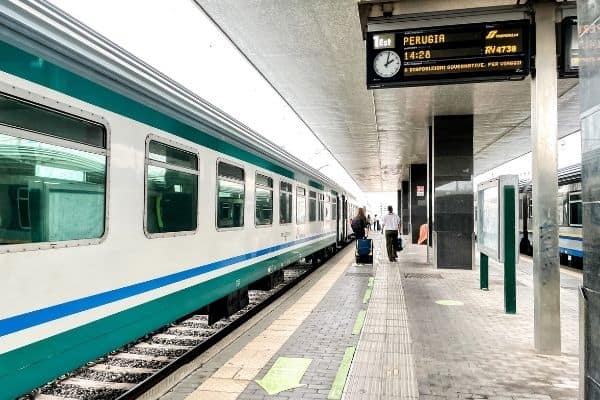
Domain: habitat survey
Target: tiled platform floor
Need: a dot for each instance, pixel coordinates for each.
(410, 346)
(476, 350)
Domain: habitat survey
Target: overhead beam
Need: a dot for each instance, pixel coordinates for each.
(387, 11)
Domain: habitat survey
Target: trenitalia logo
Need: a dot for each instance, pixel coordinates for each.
(491, 34)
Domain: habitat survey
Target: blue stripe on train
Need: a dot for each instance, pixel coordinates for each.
(37, 317)
(574, 238)
(565, 237)
(571, 252)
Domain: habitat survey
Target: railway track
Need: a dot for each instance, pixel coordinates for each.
(130, 371)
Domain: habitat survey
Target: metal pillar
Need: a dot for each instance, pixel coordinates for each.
(510, 273)
(544, 121)
(451, 194)
(484, 272)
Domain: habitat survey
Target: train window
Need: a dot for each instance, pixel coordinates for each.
(31, 117)
(52, 175)
(321, 208)
(285, 203)
(333, 208)
(230, 171)
(230, 196)
(312, 206)
(264, 200)
(171, 189)
(575, 209)
(300, 205)
(172, 156)
(562, 206)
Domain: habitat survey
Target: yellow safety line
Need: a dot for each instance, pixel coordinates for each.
(229, 381)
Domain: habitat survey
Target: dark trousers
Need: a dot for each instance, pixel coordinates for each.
(391, 243)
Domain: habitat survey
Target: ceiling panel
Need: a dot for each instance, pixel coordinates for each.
(312, 52)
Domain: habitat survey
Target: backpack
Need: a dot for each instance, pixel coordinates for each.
(356, 225)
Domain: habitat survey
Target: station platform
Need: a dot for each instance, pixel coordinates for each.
(401, 330)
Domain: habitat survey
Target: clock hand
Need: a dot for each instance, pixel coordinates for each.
(388, 59)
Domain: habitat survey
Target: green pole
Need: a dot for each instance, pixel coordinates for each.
(483, 272)
(510, 279)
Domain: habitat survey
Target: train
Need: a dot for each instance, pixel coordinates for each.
(128, 202)
(569, 212)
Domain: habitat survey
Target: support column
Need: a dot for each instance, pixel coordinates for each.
(405, 213)
(398, 208)
(418, 200)
(544, 125)
(452, 180)
(588, 17)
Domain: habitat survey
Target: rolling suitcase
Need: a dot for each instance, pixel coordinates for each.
(364, 251)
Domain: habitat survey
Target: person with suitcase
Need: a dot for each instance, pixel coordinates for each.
(364, 246)
(359, 224)
(391, 226)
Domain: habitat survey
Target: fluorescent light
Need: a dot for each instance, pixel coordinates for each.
(44, 171)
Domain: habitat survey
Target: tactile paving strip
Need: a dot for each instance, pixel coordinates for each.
(383, 366)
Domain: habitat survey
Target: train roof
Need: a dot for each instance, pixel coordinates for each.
(48, 32)
(566, 176)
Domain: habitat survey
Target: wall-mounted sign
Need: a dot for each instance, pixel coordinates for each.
(420, 191)
(448, 54)
(569, 50)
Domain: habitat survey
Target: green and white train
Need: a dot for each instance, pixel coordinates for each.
(127, 202)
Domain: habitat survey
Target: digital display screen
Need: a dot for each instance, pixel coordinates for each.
(449, 54)
(569, 67)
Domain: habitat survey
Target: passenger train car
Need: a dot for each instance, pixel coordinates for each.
(570, 214)
(127, 202)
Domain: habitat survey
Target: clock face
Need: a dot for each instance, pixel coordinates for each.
(387, 64)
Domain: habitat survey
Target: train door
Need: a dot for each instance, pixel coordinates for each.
(337, 219)
(344, 217)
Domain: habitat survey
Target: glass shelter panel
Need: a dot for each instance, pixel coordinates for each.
(488, 225)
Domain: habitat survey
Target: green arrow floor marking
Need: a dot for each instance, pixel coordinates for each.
(371, 281)
(360, 320)
(367, 295)
(285, 374)
(340, 378)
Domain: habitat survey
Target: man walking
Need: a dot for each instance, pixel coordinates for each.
(391, 225)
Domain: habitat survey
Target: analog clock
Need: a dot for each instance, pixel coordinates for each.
(387, 64)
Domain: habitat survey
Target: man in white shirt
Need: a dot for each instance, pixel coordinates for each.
(391, 226)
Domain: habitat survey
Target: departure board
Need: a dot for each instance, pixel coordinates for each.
(448, 54)
(569, 58)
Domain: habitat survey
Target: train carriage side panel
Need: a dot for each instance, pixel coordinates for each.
(65, 305)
